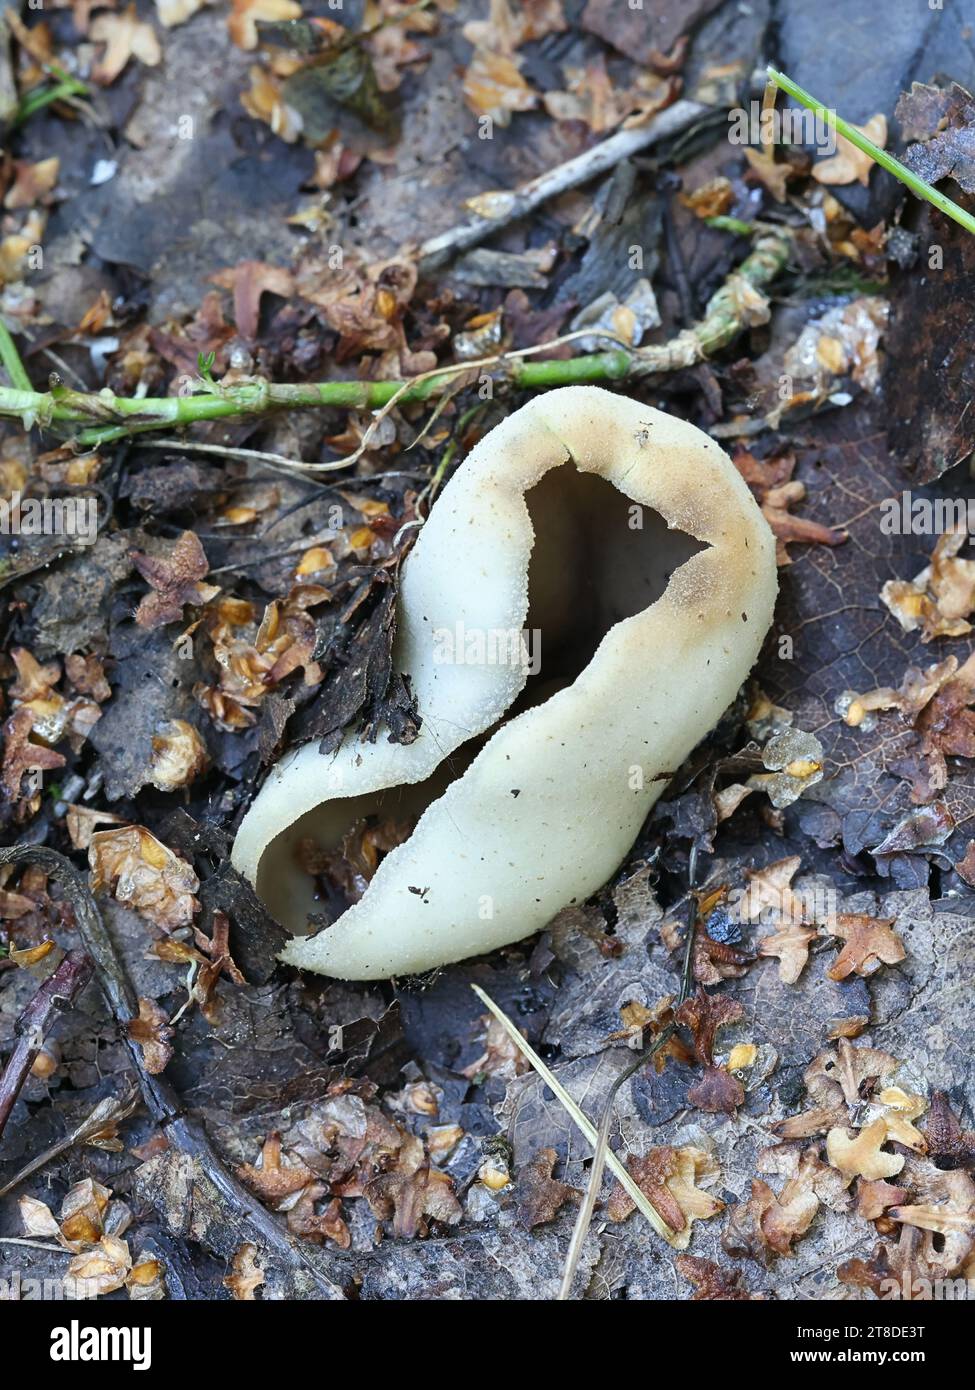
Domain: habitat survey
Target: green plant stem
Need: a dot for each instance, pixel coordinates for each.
(10, 358)
(722, 223)
(36, 101)
(918, 186)
(102, 417)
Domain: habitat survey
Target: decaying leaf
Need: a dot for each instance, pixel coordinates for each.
(246, 1273)
(772, 173)
(250, 281)
(501, 1056)
(540, 1195)
(767, 1224)
(255, 657)
(591, 97)
(863, 1155)
(709, 199)
(305, 1220)
(836, 1080)
(850, 1027)
(869, 943)
(713, 1284)
(82, 822)
(936, 702)
(494, 86)
(412, 1192)
(669, 1180)
(771, 889)
(32, 182)
(245, 15)
(949, 1145)
(345, 1148)
(925, 828)
(790, 944)
(900, 1110)
(507, 28)
(942, 121)
(179, 756)
(856, 1070)
(939, 599)
(874, 1197)
(777, 492)
(704, 1014)
(175, 580)
(21, 755)
(87, 675)
(143, 874)
(718, 1092)
(849, 164)
(152, 1032)
(947, 1210)
(125, 36)
(276, 1175)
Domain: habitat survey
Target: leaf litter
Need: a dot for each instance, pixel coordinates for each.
(254, 607)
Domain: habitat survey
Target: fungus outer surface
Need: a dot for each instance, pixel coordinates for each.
(521, 813)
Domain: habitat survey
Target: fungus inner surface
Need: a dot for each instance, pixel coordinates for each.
(597, 559)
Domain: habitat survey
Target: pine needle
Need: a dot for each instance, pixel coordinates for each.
(580, 1120)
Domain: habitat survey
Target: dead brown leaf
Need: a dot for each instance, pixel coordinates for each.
(790, 944)
(713, 1284)
(152, 1032)
(125, 36)
(870, 943)
(717, 1092)
(32, 183)
(275, 1176)
(250, 281)
(704, 1014)
(247, 1274)
(175, 581)
(669, 1178)
(143, 874)
(874, 1197)
(21, 756)
(849, 164)
(494, 87)
(939, 600)
(245, 14)
(540, 1195)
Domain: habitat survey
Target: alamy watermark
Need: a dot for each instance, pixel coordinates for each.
(767, 125)
(908, 515)
(18, 1289)
(50, 516)
(918, 1289)
(492, 646)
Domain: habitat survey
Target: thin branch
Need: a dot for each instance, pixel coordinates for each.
(58, 992)
(183, 1132)
(107, 1114)
(510, 206)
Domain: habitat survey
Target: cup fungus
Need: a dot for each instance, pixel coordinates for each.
(582, 605)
